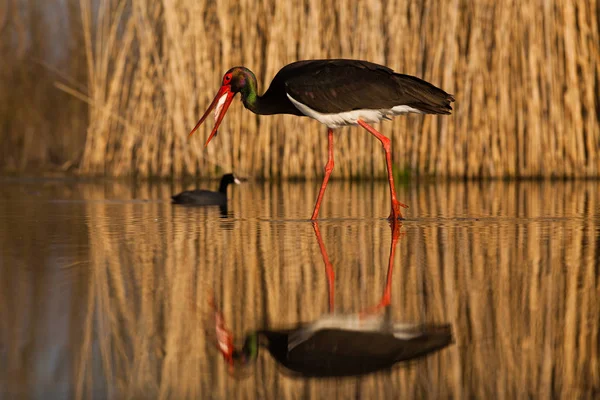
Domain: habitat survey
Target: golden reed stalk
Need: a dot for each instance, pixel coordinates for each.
(525, 76)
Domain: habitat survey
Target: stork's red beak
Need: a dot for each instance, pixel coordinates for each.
(221, 101)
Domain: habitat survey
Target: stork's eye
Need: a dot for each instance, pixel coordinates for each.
(227, 78)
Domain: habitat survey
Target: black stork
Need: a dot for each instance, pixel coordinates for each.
(337, 345)
(201, 197)
(336, 93)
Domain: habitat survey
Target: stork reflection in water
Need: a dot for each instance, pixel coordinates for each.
(337, 345)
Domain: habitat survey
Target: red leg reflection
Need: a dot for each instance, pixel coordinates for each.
(328, 266)
(387, 292)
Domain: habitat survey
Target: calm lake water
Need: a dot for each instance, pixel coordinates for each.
(105, 287)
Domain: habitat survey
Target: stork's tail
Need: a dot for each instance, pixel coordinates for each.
(428, 99)
(426, 340)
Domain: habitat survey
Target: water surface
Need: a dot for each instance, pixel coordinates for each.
(105, 286)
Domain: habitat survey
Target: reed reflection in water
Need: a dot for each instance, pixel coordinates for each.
(104, 293)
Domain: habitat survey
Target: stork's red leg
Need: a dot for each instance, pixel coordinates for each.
(387, 292)
(395, 214)
(328, 267)
(328, 169)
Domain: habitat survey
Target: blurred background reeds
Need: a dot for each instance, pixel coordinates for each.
(112, 87)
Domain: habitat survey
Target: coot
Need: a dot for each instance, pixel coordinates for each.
(201, 197)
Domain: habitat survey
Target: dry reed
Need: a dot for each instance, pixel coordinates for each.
(525, 78)
(520, 289)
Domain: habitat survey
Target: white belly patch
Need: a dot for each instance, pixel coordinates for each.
(336, 120)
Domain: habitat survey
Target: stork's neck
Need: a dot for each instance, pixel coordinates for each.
(255, 103)
(249, 352)
(250, 97)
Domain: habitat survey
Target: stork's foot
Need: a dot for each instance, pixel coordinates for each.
(396, 214)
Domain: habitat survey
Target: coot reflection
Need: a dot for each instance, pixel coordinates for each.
(338, 345)
(201, 197)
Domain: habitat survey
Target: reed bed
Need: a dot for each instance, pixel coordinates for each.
(525, 76)
(134, 76)
(519, 286)
(41, 127)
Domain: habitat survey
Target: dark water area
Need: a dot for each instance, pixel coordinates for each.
(106, 287)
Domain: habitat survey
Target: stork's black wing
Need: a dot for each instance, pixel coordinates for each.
(333, 86)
